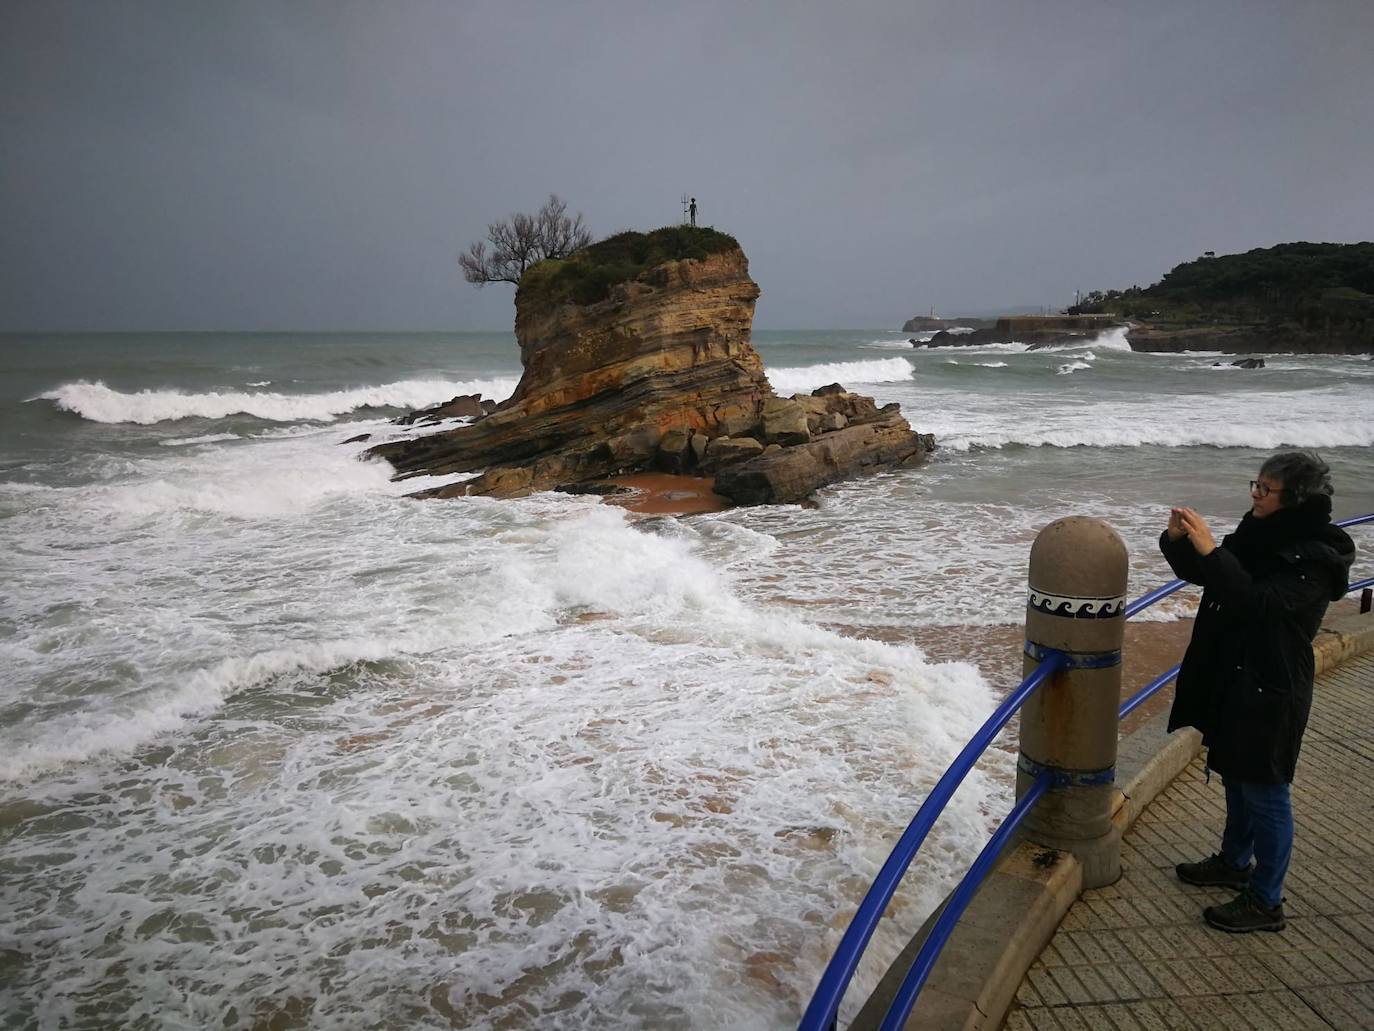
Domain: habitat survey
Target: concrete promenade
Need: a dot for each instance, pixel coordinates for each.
(1035, 951)
(1137, 955)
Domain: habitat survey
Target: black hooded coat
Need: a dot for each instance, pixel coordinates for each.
(1246, 681)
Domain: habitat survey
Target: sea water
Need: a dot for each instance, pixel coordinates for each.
(278, 744)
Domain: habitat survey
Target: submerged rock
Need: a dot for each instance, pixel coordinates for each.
(464, 406)
(630, 368)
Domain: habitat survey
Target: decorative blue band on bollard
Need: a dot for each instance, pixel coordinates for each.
(1067, 778)
(1074, 660)
(1074, 606)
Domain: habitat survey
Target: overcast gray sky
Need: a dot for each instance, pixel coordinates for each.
(212, 164)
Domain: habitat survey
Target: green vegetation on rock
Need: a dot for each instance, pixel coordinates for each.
(587, 276)
(1307, 285)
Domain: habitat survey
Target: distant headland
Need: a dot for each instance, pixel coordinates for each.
(1306, 298)
(1313, 298)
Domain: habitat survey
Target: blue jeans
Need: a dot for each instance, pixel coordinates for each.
(1259, 824)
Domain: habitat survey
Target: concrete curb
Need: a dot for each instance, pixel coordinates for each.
(1019, 907)
(1341, 639)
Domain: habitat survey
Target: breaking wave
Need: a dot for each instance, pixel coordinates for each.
(806, 378)
(1269, 436)
(99, 403)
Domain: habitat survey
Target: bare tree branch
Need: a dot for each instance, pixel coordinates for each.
(522, 240)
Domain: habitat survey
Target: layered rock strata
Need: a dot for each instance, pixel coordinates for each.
(853, 436)
(661, 374)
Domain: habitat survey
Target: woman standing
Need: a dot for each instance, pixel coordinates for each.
(1246, 680)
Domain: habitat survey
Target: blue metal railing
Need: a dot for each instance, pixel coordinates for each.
(825, 1003)
(822, 1013)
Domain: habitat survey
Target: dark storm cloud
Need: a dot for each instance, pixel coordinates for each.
(310, 165)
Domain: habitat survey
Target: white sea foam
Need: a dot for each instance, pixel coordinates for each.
(1009, 348)
(99, 403)
(209, 438)
(247, 485)
(1068, 368)
(1103, 426)
(528, 733)
(806, 378)
(14, 487)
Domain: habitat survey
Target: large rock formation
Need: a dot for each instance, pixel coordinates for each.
(659, 373)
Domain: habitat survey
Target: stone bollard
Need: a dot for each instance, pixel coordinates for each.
(1076, 605)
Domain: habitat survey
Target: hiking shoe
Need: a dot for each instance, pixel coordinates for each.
(1213, 872)
(1245, 913)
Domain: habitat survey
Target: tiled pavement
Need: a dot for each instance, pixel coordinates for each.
(1137, 955)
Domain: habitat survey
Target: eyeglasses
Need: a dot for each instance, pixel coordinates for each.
(1262, 489)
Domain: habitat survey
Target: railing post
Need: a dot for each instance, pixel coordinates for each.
(1076, 605)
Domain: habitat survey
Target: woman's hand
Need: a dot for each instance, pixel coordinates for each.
(1197, 530)
(1175, 528)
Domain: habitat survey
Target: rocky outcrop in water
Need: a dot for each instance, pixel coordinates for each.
(1038, 331)
(852, 436)
(658, 374)
(1248, 340)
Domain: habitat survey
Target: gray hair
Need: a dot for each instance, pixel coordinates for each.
(1302, 474)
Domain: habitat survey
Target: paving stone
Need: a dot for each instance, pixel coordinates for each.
(1295, 1013)
(1076, 1019)
(1096, 984)
(1146, 986)
(1347, 1008)
(1026, 995)
(1118, 985)
(1170, 1015)
(1070, 947)
(1296, 969)
(1214, 1011)
(1046, 987)
(1071, 987)
(1244, 973)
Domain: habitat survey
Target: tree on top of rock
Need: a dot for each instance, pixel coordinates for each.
(521, 240)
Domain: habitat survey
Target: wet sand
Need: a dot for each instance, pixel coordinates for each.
(668, 494)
